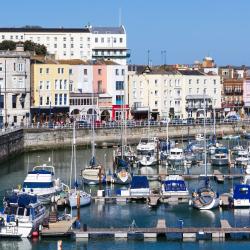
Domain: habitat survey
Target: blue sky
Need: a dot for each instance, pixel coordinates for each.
(186, 29)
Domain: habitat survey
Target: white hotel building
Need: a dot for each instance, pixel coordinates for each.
(75, 43)
(177, 93)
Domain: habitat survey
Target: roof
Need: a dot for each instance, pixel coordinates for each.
(108, 30)
(191, 72)
(46, 30)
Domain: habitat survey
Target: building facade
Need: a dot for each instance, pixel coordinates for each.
(50, 91)
(177, 94)
(232, 93)
(65, 88)
(75, 43)
(14, 87)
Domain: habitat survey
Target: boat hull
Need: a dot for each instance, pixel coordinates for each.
(219, 162)
(213, 204)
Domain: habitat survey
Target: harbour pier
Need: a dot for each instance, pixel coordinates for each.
(181, 233)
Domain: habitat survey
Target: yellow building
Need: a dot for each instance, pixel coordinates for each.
(50, 91)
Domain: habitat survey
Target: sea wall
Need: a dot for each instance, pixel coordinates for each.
(11, 143)
(16, 141)
(37, 139)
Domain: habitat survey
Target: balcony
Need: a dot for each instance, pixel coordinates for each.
(232, 104)
(233, 91)
(104, 53)
(195, 107)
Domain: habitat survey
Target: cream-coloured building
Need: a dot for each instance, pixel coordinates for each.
(174, 93)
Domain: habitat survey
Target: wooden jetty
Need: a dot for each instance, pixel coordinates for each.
(58, 228)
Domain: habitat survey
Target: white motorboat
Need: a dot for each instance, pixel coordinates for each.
(174, 185)
(139, 187)
(243, 158)
(176, 157)
(41, 182)
(199, 137)
(22, 214)
(241, 195)
(220, 158)
(148, 160)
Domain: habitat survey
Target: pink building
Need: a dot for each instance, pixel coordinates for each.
(246, 93)
(100, 78)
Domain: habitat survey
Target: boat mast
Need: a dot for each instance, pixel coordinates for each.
(93, 131)
(214, 119)
(74, 151)
(205, 144)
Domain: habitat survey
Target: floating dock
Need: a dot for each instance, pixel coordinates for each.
(170, 233)
(225, 231)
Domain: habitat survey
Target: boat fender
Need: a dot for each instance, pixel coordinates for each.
(35, 234)
(190, 202)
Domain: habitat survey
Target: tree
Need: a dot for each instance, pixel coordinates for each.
(38, 48)
(7, 45)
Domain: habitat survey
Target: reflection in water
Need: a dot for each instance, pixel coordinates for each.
(16, 244)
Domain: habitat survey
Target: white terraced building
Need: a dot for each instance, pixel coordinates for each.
(75, 43)
(175, 94)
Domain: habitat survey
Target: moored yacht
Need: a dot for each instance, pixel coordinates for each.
(139, 187)
(22, 214)
(174, 185)
(242, 159)
(41, 182)
(176, 157)
(241, 195)
(147, 151)
(220, 158)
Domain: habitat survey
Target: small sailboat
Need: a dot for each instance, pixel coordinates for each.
(93, 174)
(76, 197)
(122, 174)
(123, 160)
(205, 198)
(22, 214)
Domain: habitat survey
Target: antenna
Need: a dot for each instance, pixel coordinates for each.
(148, 57)
(120, 17)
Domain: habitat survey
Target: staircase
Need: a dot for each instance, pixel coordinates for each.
(53, 217)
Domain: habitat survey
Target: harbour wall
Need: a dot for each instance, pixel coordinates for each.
(11, 143)
(40, 139)
(16, 141)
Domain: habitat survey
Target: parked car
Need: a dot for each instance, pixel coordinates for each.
(232, 118)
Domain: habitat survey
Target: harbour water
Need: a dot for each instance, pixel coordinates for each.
(13, 172)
